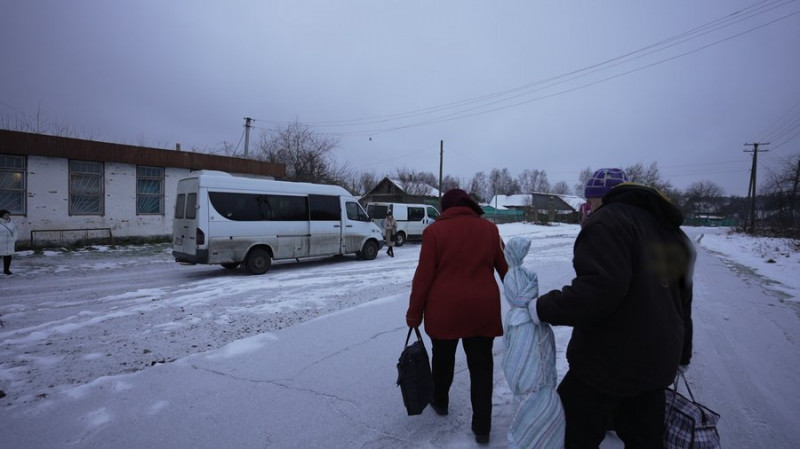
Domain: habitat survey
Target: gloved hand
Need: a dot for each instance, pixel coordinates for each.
(413, 322)
(683, 369)
(533, 312)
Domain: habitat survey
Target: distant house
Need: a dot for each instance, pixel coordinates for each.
(710, 220)
(541, 206)
(502, 214)
(60, 190)
(397, 191)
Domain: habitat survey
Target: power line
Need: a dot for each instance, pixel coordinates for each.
(454, 116)
(777, 126)
(477, 105)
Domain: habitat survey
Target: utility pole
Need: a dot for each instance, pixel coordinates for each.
(792, 200)
(441, 163)
(248, 123)
(751, 191)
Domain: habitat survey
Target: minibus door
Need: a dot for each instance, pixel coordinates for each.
(326, 225)
(357, 225)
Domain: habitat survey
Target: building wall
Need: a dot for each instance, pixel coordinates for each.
(48, 202)
(47, 185)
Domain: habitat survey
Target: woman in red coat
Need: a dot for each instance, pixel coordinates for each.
(455, 291)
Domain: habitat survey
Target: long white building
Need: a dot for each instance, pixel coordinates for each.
(60, 190)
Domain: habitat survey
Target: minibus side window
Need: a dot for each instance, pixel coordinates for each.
(288, 208)
(180, 204)
(325, 208)
(416, 213)
(257, 207)
(377, 211)
(355, 212)
(191, 206)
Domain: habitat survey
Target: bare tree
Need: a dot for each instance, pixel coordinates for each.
(417, 183)
(651, 177)
(449, 183)
(502, 183)
(360, 183)
(560, 188)
(703, 198)
(479, 186)
(779, 197)
(583, 178)
(39, 123)
(533, 181)
(308, 156)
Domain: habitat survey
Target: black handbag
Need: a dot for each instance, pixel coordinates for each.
(688, 424)
(414, 375)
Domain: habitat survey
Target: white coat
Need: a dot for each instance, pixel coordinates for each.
(8, 237)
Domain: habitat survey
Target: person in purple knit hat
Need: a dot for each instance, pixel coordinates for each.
(629, 306)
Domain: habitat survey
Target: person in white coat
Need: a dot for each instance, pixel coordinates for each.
(389, 229)
(8, 239)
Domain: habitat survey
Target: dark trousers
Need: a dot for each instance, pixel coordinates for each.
(481, 369)
(6, 263)
(638, 420)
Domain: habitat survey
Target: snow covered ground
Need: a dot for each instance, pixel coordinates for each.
(125, 348)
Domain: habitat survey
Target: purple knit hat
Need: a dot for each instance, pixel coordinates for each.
(602, 181)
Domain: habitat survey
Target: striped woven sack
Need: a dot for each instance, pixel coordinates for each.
(688, 424)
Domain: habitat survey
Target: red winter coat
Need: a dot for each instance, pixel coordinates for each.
(454, 287)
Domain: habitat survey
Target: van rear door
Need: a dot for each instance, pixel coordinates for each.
(184, 225)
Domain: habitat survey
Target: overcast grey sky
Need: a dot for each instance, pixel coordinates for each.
(554, 85)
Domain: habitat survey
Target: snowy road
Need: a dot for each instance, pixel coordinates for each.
(75, 316)
(70, 318)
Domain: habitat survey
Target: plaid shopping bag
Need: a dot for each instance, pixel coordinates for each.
(688, 424)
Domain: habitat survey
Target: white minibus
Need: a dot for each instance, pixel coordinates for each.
(412, 219)
(231, 220)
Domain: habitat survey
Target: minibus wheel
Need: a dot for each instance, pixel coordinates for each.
(400, 239)
(369, 251)
(258, 261)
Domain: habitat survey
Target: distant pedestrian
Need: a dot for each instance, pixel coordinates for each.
(389, 232)
(8, 239)
(629, 306)
(455, 291)
(584, 210)
(529, 360)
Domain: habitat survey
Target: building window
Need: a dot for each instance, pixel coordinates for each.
(12, 183)
(86, 188)
(149, 190)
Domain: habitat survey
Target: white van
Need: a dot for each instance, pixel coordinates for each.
(230, 220)
(412, 219)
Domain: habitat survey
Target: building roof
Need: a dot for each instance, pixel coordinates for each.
(529, 199)
(30, 144)
(573, 200)
(418, 187)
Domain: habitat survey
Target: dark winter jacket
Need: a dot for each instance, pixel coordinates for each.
(454, 286)
(630, 302)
